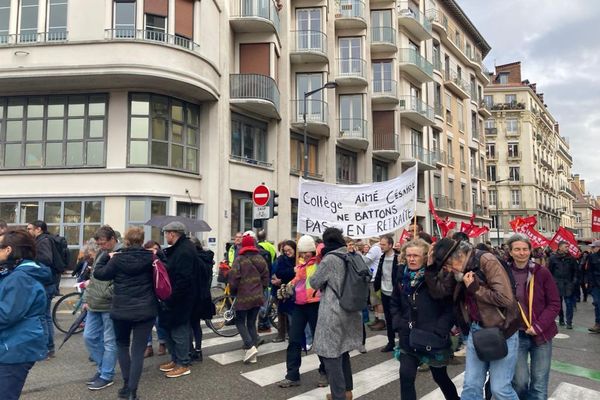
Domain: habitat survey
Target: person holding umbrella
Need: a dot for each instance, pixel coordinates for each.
(22, 336)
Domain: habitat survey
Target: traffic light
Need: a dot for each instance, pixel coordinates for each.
(273, 203)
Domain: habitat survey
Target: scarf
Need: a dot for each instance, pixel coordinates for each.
(412, 279)
(331, 246)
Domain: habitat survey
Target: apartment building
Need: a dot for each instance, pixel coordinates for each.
(583, 205)
(529, 162)
(114, 111)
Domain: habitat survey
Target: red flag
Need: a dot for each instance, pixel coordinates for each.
(595, 220)
(444, 225)
(404, 236)
(519, 223)
(565, 235)
(466, 227)
(477, 231)
(537, 239)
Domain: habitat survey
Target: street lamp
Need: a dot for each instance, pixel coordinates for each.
(328, 85)
(497, 211)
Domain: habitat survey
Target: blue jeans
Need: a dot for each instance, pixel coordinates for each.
(531, 381)
(595, 292)
(12, 379)
(501, 371)
(49, 325)
(569, 302)
(160, 333)
(99, 337)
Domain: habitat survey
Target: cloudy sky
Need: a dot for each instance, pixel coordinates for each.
(557, 44)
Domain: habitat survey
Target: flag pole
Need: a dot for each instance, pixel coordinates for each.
(416, 191)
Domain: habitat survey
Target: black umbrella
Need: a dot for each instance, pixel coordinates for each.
(192, 225)
(74, 327)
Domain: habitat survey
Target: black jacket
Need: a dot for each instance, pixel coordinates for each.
(379, 274)
(204, 274)
(130, 269)
(592, 273)
(44, 254)
(565, 271)
(182, 266)
(431, 315)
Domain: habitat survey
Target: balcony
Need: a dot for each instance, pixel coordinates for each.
(29, 38)
(491, 131)
(492, 156)
(413, 109)
(456, 84)
(151, 36)
(484, 110)
(443, 202)
(513, 132)
(254, 16)
(475, 174)
(514, 156)
(351, 72)
(309, 47)
(353, 133)
(317, 112)
(479, 209)
(383, 39)
(255, 93)
(384, 91)
(414, 64)
(512, 106)
(350, 14)
(464, 206)
(413, 154)
(440, 157)
(414, 21)
(439, 20)
(385, 145)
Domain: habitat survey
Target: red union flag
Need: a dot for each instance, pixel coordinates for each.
(565, 235)
(595, 220)
(444, 225)
(477, 231)
(537, 239)
(405, 236)
(518, 224)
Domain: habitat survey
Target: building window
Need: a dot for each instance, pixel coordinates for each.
(514, 174)
(188, 210)
(490, 123)
(510, 98)
(451, 190)
(490, 150)
(515, 198)
(4, 20)
(512, 125)
(491, 173)
(163, 132)
(448, 105)
(156, 27)
(380, 171)
(297, 156)
(513, 150)
(489, 101)
(463, 196)
(241, 212)
(57, 20)
(463, 163)
(345, 166)
(28, 21)
(141, 209)
(502, 78)
(351, 116)
(437, 56)
(450, 152)
(494, 221)
(52, 131)
(493, 197)
(294, 216)
(461, 116)
(248, 140)
(124, 19)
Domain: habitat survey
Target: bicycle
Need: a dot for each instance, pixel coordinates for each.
(223, 322)
(67, 309)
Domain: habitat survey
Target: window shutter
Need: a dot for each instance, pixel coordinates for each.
(157, 7)
(184, 18)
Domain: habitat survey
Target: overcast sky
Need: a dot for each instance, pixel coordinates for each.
(558, 45)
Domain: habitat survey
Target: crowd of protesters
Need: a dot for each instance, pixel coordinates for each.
(427, 295)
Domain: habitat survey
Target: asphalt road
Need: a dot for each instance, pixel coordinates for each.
(576, 352)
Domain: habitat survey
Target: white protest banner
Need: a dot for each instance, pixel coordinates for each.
(360, 211)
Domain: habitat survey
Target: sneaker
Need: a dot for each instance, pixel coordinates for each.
(308, 347)
(286, 383)
(196, 355)
(251, 352)
(388, 347)
(93, 379)
(100, 384)
(149, 352)
(322, 381)
(162, 349)
(378, 326)
(595, 328)
(561, 323)
(362, 349)
(253, 360)
(178, 371)
(51, 354)
(166, 367)
(462, 352)
(123, 393)
(569, 326)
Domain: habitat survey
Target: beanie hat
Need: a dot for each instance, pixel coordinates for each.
(250, 233)
(248, 244)
(305, 244)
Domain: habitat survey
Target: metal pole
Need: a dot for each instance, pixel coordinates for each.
(497, 218)
(305, 169)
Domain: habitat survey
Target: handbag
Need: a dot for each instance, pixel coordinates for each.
(162, 283)
(490, 344)
(426, 341)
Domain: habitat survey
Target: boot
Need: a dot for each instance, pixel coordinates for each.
(378, 326)
(149, 352)
(348, 395)
(162, 349)
(595, 329)
(133, 395)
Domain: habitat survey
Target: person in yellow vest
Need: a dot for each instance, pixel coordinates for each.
(233, 250)
(268, 246)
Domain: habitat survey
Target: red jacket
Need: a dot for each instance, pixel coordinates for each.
(546, 302)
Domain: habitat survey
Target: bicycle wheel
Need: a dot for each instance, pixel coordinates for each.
(217, 291)
(273, 316)
(66, 310)
(223, 322)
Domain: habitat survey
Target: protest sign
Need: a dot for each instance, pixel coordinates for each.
(360, 211)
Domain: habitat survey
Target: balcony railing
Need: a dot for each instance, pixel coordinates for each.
(410, 151)
(452, 76)
(491, 131)
(438, 109)
(254, 86)
(310, 42)
(350, 9)
(413, 103)
(24, 38)
(412, 56)
(150, 36)
(265, 9)
(384, 87)
(464, 206)
(352, 67)
(513, 105)
(385, 141)
(353, 128)
(439, 156)
(405, 10)
(515, 155)
(251, 161)
(383, 35)
(316, 110)
(437, 17)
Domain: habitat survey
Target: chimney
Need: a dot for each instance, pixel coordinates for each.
(557, 128)
(582, 186)
(541, 96)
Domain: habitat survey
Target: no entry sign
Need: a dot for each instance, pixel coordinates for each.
(261, 194)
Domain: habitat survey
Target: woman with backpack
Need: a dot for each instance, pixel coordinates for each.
(134, 304)
(423, 324)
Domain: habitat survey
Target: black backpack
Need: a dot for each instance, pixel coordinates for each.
(60, 253)
(481, 275)
(355, 286)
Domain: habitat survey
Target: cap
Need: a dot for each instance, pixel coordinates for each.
(250, 233)
(174, 226)
(595, 243)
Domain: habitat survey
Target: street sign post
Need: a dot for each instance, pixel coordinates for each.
(260, 197)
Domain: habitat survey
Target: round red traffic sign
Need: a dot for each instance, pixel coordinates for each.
(261, 194)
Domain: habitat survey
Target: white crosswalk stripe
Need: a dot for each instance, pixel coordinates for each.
(231, 357)
(219, 340)
(437, 393)
(567, 391)
(274, 373)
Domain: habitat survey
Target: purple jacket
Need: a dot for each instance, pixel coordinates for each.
(546, 303)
